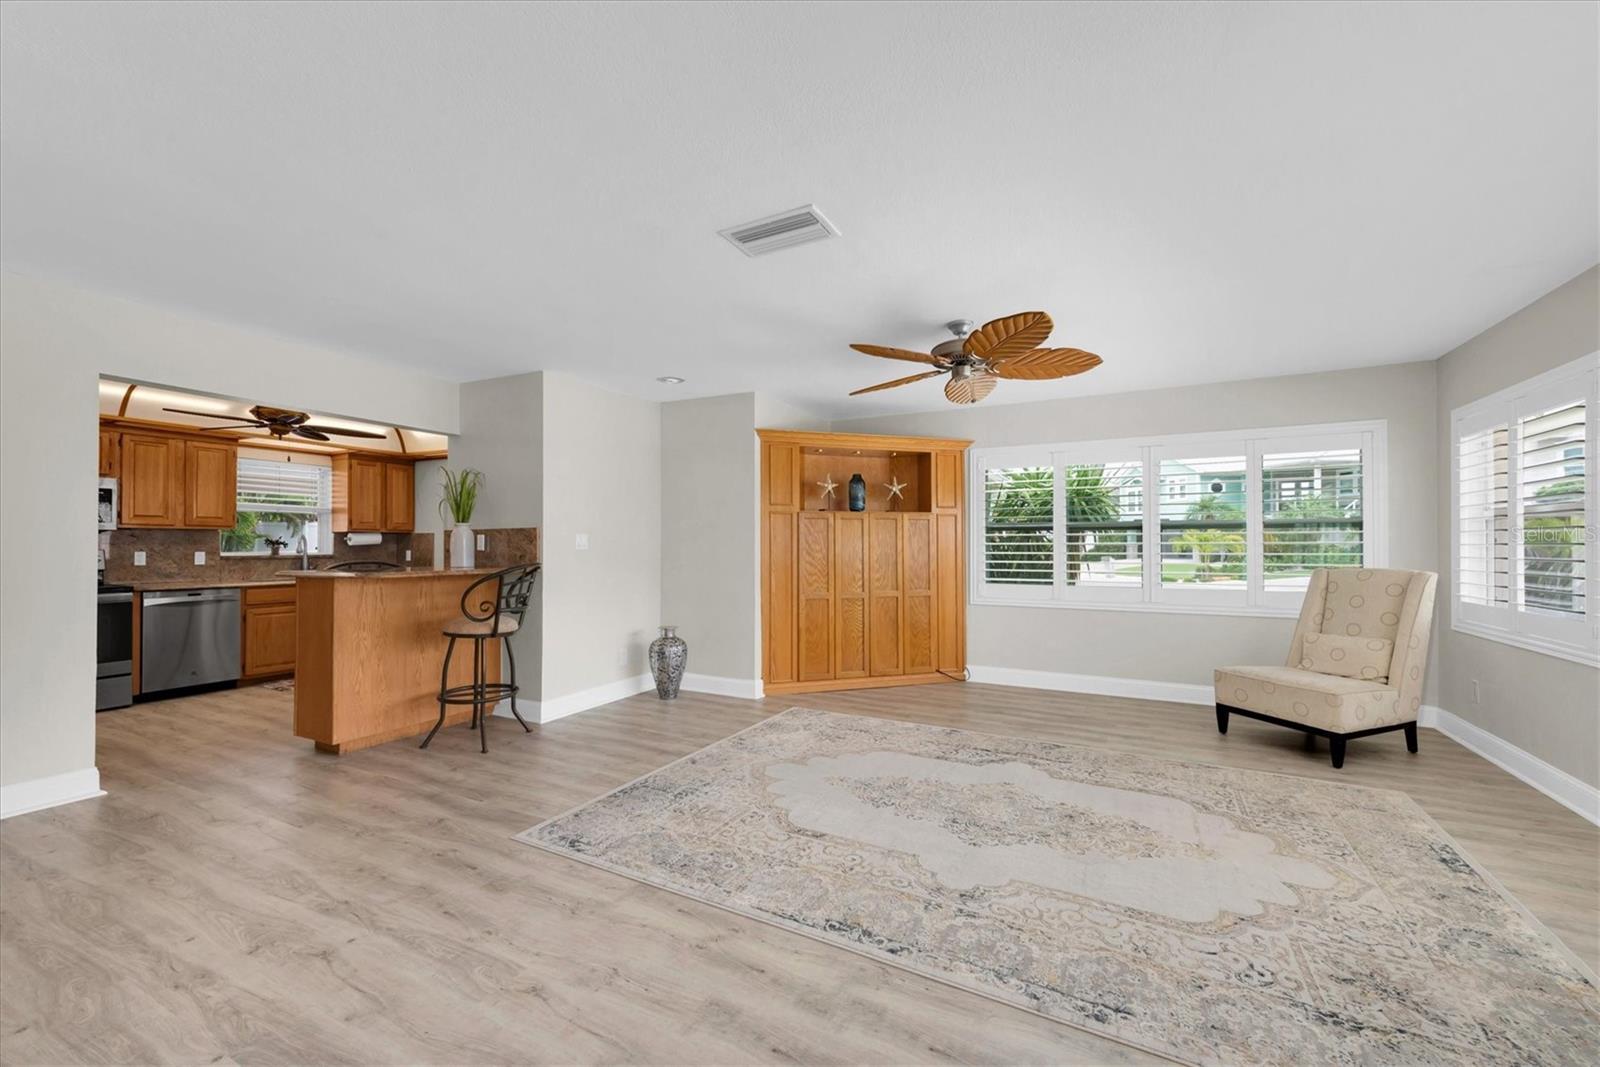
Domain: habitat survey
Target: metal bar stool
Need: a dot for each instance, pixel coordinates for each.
(492, 609)
(363, 566)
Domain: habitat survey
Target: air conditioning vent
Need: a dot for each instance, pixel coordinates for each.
(784, 230)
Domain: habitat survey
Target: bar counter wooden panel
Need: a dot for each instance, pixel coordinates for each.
(368, 651)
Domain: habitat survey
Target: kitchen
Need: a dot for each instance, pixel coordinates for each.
(206, 507)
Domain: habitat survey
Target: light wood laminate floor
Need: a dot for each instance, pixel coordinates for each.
(239, 897)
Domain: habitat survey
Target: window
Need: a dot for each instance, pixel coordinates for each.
(281, 497)
(1229, 523)
(1524, 514)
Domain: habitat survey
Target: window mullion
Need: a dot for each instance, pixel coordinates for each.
(1058, 528)
(1152, 525)
(1516, 535)
(1255, 565)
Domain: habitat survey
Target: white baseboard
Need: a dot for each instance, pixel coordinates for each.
(40, 793)
(1550, 780)
(572, 703)
(743, 688)
(1099, 685)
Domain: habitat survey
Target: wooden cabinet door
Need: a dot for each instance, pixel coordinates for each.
(269, 638)
(946, 480)
(814, 595)
(782, 475)
(211, 478)
(151, 487)
(399, 497)
(110, 446)
(850, 595)
(778, 615)
(917, 570)
(884, 608)
(950, 603)
(366, 494)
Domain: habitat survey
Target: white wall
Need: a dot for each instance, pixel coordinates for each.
(602, 477)
(55, 340)
(1185, 648)
(1546, 706)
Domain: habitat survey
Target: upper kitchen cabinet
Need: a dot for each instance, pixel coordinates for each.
(110, 453)
(151, 486)
(372, 495)
(211, 477)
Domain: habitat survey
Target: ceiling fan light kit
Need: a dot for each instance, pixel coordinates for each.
(1004, 348)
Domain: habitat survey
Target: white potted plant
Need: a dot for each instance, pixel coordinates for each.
(459, 498)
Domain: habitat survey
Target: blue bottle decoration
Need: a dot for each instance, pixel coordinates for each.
(858, 493)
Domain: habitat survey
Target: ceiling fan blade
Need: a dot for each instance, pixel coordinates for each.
(968, 390)
(899, 381)
(1009, 336)
(306, 431)
(235, 426)
(1044, 363)
(898, 353)
(342, 433)
(207, 414)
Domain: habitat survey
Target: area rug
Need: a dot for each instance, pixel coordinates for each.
(1204, 913)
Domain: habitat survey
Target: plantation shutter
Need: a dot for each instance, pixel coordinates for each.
(1484, 517)
(1551, 494)
(284, 487)
(1019, 515)
(1312, 514)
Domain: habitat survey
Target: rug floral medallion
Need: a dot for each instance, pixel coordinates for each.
(1204, 913)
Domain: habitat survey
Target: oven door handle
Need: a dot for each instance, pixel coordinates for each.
(115, 598)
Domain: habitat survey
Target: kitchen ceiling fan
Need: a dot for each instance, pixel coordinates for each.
(279, 422)
(976, 359)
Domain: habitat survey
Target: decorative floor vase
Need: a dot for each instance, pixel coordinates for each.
(669, 655)
(463, 548)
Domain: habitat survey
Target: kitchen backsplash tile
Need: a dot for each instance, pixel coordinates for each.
(169, 556)
(503, 547)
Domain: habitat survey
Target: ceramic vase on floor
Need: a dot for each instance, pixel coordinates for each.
(669, 655)
(463, 548)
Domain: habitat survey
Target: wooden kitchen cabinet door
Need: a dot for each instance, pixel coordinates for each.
(399, 497)
(211, 478)
(269, 639)
(359, 485)
(814, 595)
(110, 453)
(850, 594)
(151, 486)
(884, 597)
(919, 622)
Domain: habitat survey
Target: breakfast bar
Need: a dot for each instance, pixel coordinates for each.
(369, 648)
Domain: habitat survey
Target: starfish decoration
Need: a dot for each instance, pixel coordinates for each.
(895, 486)
(827, 485)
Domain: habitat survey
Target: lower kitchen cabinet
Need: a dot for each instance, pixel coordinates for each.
(268, 632)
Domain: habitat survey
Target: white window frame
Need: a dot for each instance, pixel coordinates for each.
(324, 517)
(1576, 638)
(1255, 599)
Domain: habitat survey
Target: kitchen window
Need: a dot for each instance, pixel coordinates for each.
(1227, 523)
(1524, 514)
(281, 497)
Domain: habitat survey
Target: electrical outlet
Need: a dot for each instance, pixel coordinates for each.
(138, 558)
(408, 555)
(199, 559)
(483, 542)
(583, 542)
(1477, 692)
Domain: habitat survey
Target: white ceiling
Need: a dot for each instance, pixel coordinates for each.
(1197, 192)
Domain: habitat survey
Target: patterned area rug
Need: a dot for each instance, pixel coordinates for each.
(1204, 913)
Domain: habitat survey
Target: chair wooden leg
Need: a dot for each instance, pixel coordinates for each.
(1336, 751)
(1222, 719)
(1310, 742)
(1411, 737)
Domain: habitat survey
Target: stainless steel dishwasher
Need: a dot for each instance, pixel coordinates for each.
(188, 637)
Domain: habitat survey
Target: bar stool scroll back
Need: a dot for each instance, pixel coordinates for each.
(492, 609)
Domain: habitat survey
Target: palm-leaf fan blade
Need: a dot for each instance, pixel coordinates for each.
(899, 381)
(339, 432)
(1043, 363)
(1009, 336)
(968, 390)
(898, 353)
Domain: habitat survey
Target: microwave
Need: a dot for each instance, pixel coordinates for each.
(108, 503)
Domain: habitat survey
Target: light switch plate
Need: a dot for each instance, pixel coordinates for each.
(199, 559)
(483, 542)
(583, 542)
(138, 558)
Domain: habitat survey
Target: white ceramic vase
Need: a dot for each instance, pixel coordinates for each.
(463, 548)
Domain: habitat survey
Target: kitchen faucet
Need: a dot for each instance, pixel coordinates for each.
(303, 552)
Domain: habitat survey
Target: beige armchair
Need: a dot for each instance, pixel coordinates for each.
(1356, 663)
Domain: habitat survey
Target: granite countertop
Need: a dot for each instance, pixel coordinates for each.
(398, 575)
(165, 584)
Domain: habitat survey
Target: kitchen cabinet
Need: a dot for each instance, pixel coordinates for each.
(151, 487)
(211, 476)
(110, 453)
(268, 631)
(373, 495)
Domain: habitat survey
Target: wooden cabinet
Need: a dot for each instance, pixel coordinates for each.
(211, 478)
(866, 598)
(110, 453)
(399, 497)
(372, 495)
(268, 631)
(151, 487)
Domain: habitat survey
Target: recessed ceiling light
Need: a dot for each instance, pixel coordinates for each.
(670, 379)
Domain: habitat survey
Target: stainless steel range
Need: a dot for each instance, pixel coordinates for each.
(114, 640)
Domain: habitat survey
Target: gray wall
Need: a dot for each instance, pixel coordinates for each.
(1543, 705)
(1185, 648)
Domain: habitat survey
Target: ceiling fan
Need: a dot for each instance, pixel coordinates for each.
(1004, 348)
(279, 422)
